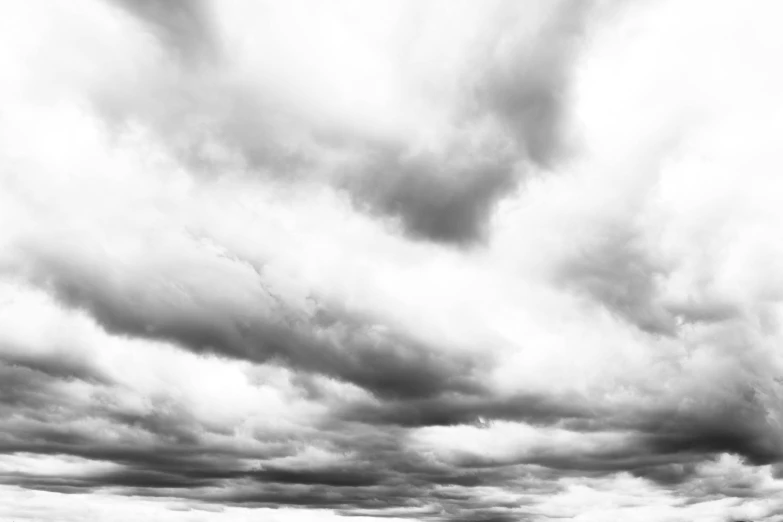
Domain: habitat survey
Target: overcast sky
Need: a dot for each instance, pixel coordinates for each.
(364, 260)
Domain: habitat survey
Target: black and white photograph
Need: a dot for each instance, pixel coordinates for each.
(391, 261)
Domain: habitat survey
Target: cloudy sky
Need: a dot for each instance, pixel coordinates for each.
(363, 260)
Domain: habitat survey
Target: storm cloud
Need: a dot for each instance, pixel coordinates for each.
(389, 260)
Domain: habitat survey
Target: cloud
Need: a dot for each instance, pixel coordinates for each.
(184, 27)
(229, 287)
(211, 82)
(209, 322)
(440, 197)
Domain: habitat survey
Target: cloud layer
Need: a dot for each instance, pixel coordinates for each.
(442, 261)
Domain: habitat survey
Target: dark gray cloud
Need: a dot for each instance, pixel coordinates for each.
(413, 388)
(521, 81)
(379, 406)
(667, 475)
(65, 364)
(528, 85)
(617, 272)
(381, 478)
(323, 342)
(329, 477)
(454, 409)
(740, 427)
(165, 450)
(449, 197)
(445, 198)
(182, 26)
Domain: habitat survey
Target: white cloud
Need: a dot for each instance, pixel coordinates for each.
(231, 243)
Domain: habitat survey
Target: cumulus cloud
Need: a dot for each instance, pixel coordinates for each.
(430, 147)
(441, 261)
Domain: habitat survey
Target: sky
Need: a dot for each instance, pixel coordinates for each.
(391, 260)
